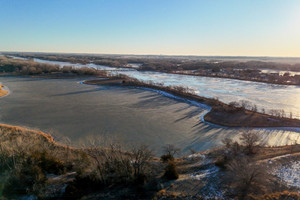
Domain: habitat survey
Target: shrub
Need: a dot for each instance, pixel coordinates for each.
(232, 148)
(29, 175)
(246, 177)
(250, 141)
(222, 161)
(67, 69)
(171, 171)
(28, 179)
(47, 163)
(113, 167)
(116, 166)
(232, 151)
(82, 184)
(141, 162)
(169, 152)
(166, 158)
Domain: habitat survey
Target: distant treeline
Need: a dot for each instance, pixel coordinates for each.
(163, 63)
(29, 67)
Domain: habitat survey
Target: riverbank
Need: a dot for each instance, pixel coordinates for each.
(34, 166)
(220, 114)
(116, 63)
(2, 91)
(237, 78)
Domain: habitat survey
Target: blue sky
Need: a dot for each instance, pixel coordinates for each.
(172, 27)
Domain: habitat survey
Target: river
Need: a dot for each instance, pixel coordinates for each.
(265, 96)
(68, 109)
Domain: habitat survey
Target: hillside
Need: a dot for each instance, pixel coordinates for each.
(33, 164)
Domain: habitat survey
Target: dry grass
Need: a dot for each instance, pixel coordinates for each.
(2, 92)
(277, 196)
(91, 167)
(272, 152)
(15, 140)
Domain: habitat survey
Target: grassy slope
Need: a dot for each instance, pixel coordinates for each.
(12, 137)
(18, 139)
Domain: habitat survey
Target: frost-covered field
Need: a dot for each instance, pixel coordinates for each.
(209, 174)
(290, 173)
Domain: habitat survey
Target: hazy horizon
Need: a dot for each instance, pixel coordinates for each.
(154, 55)
(232, 28)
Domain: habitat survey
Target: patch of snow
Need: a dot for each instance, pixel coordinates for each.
(290, 174)
(211, 171)
(63, 189)
(212, 188)
(31, 197)
(196, 155)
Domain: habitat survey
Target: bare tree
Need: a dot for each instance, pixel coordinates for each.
(233, 148)
(247, 177)
(245, 104)
(293, 144)
(250, 141)
(169, 152)
(109, 162)
(254, 108)
(232, 151)
(141, 158)
(112, 164)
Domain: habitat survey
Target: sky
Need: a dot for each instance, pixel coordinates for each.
(168, 27)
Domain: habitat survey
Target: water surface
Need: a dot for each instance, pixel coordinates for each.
(66, 108)
(265, 96)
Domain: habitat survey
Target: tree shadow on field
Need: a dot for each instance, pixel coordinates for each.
(195, 112)
(77, 92)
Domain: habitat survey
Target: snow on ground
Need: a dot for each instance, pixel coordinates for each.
(196, 155)
(211, 171)
(210, 176)
(290, 173)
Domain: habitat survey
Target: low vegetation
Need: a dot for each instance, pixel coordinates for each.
(221, 67)
(169, 153)
(240, 169)
(276, 196)
(171, 171)
(33, 164)
(29, 67)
